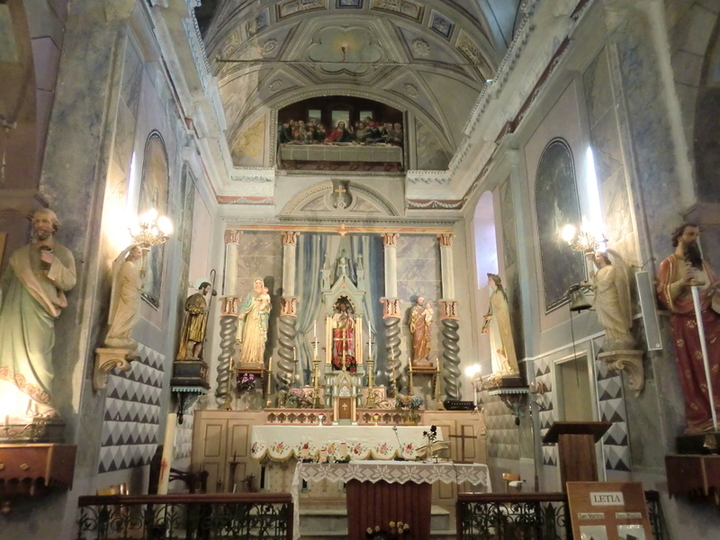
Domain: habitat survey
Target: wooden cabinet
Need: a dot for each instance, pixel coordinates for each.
(219, 437)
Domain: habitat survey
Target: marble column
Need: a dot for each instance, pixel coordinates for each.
(449, 320)
(228, 319)
(391, 314)
(286, 366)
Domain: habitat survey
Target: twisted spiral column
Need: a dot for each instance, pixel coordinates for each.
(228, 328)
(451, 356)
(391, 320)
(286, 345)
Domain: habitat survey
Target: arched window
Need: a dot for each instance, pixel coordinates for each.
(486, 253)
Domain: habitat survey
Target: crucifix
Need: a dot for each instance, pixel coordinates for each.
(461, 444)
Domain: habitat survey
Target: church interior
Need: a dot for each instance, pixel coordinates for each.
(275, 252)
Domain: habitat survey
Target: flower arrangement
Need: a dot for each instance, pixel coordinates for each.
(395, 531)
(246, 382)
(411, 404)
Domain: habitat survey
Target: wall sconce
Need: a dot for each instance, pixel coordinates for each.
(585, 240)
(151, 229)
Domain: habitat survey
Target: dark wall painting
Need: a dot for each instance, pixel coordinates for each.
(557, 204)
(154, 194)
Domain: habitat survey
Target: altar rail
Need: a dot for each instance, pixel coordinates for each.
(208, 517)
(530, 516)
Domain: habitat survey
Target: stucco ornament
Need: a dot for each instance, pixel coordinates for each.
(345, 49)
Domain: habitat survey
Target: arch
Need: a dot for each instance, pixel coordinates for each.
(295, 205)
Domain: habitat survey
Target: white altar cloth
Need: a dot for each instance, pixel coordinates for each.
(282, 442)
(392, 472)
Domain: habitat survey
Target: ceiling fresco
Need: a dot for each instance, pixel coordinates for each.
(428, 59)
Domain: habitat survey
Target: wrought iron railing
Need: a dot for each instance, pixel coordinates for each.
(530, 516)
(240, 516)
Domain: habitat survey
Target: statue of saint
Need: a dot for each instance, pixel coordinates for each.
(421, 318)
(497, 326)
(192, 335)
(253, 317)
(343, 330)
(612, 300)
(677, 275)
(33, 296)
(127, 285)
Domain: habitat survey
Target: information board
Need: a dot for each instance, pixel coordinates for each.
(608, 511)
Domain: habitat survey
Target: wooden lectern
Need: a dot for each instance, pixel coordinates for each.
(576, 449)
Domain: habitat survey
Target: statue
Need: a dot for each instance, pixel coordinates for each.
(421, 318)
(253, 317)
(497, 325)
(343, 331)
(194, 325)
(678, 273)
(127, 285)
(33, 296)
(612, 300)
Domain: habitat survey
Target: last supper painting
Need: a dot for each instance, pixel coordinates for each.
(340, 133)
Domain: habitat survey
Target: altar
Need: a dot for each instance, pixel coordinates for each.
(329, 443)
(379, 492)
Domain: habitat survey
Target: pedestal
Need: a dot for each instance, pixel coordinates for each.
(576, 449)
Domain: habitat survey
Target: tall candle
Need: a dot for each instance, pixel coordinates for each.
(167, 455)
(315, 329)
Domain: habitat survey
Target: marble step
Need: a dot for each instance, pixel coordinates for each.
(331, 524)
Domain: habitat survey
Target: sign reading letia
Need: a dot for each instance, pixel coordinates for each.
(611, 498)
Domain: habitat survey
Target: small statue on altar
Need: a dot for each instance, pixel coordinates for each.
(612, 299)
(192, 335)
(127, 285)
(253, 318)
(497, 326)
(421, 318)
(343, 331)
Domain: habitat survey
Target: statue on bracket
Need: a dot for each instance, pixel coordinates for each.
(253, 317)
(678, 274)
(612, 299)
(127, 285)
(497, 326)
(32, 296)
(421, 318)
(343, 336)
(194, 325)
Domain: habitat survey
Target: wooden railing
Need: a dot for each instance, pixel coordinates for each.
(204, 517)
(529, 516)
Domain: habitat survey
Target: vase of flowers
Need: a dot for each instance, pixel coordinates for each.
(412, 405)
(246, 381)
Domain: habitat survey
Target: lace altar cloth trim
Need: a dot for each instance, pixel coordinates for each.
(281, 443)
(393, 472)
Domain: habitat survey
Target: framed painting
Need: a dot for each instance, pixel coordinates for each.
(557, 204)
(154, 194)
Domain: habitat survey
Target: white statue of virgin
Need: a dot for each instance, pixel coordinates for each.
(127, 285)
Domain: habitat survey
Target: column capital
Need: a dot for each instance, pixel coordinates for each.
(232, 236)
(391, 307)
(229, 306)
(390, 239)
(289, 238)
(513, 157)
(446, 239)
(449, 309)
(288, 306)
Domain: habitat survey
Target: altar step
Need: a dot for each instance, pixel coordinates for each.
(331, 524)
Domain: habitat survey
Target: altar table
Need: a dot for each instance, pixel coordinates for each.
(382, 491)
(282, 442)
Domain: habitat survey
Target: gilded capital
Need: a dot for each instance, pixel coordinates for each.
(449, 309)
(232, 236)
(289, 238)
(390, 239)
(288, 306)
(446, 239)
(391, 307)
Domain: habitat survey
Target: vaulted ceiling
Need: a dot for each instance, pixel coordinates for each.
(428, 58)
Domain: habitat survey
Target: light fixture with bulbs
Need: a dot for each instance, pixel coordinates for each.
(586, 239)
(151, 229)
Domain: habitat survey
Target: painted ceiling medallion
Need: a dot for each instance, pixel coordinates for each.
(269, 46)
(349, 49)
(276, 85)
(420, 47)
(411, 90)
